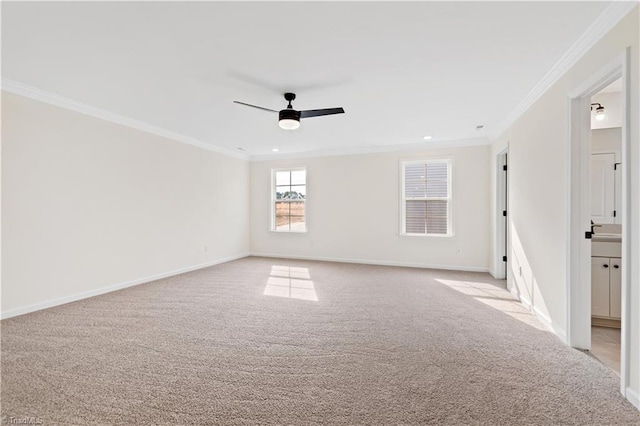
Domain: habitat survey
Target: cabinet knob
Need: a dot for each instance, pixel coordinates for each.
(605, 266)
(616, 266)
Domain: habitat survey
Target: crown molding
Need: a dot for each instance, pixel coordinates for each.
(413, 147)
(31, 92)
(608, 19)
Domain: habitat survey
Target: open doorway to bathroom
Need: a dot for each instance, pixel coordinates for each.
(584, 252)
(606, 219)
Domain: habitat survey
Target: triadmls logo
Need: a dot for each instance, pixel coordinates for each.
(24, 420)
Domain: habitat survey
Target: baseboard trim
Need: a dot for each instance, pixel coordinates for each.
(606, 322)
(632, 397)
(513, 290)
(496, 275)
(108, 289)
(374, 262)
(543, 318)
(526, 302)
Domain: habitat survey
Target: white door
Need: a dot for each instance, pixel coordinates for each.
(603, 187)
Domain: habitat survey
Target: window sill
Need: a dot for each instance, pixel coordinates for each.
(426, 235)
(288, 231)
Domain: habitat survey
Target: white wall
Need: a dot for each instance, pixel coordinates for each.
(353, 211)
(89, 204)
(538, 189)
(607, 140)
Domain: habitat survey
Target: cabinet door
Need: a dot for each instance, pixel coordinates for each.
(602, 187)
(615, 287)
(600, 286)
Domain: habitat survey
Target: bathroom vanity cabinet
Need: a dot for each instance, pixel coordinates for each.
(606, 283)
(606, 280)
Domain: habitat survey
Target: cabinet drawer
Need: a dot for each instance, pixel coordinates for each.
(606, 249)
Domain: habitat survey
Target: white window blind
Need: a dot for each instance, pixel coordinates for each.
(426, 197)
(289, 195)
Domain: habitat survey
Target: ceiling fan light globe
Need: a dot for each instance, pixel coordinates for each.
(289, 124)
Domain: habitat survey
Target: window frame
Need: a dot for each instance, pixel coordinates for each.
(403, 199)
(272, 208)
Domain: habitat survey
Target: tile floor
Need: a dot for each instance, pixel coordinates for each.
(605, 346)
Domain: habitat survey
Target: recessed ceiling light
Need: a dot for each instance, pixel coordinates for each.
(275, 150)
(426, 138)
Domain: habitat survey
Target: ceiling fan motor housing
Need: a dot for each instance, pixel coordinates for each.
(289, 114)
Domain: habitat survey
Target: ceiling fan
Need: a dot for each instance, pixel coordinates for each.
(289, 118)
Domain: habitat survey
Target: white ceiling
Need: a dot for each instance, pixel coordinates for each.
(400, 70)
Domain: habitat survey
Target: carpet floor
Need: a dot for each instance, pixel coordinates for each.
(275, 341)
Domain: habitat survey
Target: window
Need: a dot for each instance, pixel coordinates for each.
(426, 197)
(289, 195)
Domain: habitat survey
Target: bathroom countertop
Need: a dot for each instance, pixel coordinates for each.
(607, 238)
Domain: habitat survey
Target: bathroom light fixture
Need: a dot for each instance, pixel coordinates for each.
(600, 115)
(275, 150)
(426, 138)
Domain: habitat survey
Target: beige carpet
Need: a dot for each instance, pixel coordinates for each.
(380, 345)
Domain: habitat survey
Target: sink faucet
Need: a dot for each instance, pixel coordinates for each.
(593, 225)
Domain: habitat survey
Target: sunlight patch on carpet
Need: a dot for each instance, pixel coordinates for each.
(495, 298)
(290, 282)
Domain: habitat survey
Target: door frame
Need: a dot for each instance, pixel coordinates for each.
(578, 218)
(501, 223)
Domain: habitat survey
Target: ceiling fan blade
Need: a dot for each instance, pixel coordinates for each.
(255, 106)
(319, 112)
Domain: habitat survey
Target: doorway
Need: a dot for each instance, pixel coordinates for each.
(502, 211)
(581, 266)
(606, 220)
